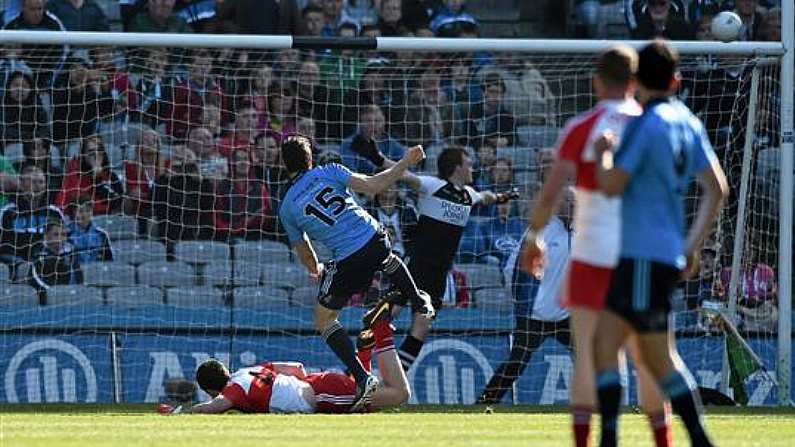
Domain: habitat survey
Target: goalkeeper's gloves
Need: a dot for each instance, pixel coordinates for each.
(368, 149)
(505, 197)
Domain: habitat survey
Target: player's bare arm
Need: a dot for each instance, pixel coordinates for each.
(612, 181)
(560, 173)
(490, 197)
(412, 180)
(715, 190)
(308, 257)
(374, 184)
(219, 404)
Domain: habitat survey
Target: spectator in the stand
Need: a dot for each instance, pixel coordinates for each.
(89, 175)
(452, 19)
(360, 150)
(262, 16)
(342, 69)
(9, 180)
(116, 94)
(91, 243)
(504, 231)
(390, 19)
(307, 127)
(315, 19)
(428, 114)
(486, 156)
(159, 17)
(333, 12)
(397, 217)
(255, 94)
(151, 87)
(527, 93)
(417, 13)
(210, 162)
(192, 94)
(281, 109)
(757, 303)
(748, 10)
(703, 29)
(318, 102)
(211, 119)
(75, 104)
(286, 65)
(39, 152)
(375, 87)
(705, 286)
(55, 261)
(79, 15)
(490, 119)
(140, 175)
(22, 115)
(267, 166)
(770, 26)
(44, 60)
(23, 219)
(635, 9)
(241, 137)
(11, 60)
(183, 203)
(243, 206)
(362, 12)
(500, 178)
(659, 19)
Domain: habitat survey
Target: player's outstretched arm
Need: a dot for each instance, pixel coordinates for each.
(374, 184)
(218, 404)
(306, 254)
(490, 198)
(715, 190)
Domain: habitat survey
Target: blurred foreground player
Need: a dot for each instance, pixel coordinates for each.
(596, 244)
(285, 387)
(318, 205)
(659, 153)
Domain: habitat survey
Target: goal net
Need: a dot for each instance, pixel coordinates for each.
(141, 188)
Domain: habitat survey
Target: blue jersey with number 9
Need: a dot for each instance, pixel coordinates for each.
(319, 205)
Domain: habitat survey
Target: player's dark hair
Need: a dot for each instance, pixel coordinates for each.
(311, 8)
(617, 65)
(297, 153)
(657, 65)
(450, 158)
(212, 375)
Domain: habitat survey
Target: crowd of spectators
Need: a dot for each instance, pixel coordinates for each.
(200, 158)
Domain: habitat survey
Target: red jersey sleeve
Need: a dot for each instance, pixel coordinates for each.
(235, 394)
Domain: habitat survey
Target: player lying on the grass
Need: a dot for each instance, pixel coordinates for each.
(596, 244)
(287, 388)
(319, 206)
(653, 165)
(444, 204)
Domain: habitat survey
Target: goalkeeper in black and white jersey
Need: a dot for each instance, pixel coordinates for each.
(444, 204)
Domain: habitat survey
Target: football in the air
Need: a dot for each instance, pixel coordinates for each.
(726, 26)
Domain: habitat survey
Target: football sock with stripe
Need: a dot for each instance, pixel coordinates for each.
(400, 277)
(661, 427)
(339, 342)
(581, 425)
(680, 389)
(409, 350)
(608, 390)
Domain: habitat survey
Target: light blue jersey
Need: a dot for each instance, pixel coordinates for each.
(661, 150)
(319, 205)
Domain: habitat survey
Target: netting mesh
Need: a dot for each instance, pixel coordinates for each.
(163, 167)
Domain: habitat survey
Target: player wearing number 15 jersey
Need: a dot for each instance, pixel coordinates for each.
(319, 206)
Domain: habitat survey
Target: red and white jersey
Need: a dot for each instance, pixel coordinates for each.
(597, 218)
(250, 389)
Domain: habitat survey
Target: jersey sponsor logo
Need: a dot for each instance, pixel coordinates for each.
(57, 368)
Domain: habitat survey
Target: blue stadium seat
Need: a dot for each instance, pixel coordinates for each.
(18, 296)
(4, 274)
(494, 298)
(73, 294)
(201, 252)
(537, 136)
(108, 274)
(138, 251)
(480, 276)
(254, 297)
(194, 297)
(286, 276)
(262, 252)
(166, 274)
(305, 296)
(118, 226)
(134, 296)
(220, 274)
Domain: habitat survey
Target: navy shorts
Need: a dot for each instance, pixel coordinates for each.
(353, 274)
(640, 292)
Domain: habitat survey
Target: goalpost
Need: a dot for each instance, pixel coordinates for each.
(189, 279)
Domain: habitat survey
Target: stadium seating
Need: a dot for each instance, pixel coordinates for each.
(262, 252)
(108, 274)
(73, 294)
(118, 226)
(481, 276)
(287, 276)
(257, 297)
(166, 274)
(201, 252)
(220, 274)
(494, 299)
(194, 297)
(18, 296)
(138, 251)
(5, 274)
(131, 297)
(305, 296)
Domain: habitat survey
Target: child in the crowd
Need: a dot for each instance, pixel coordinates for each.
(55, 261)
(90, 242)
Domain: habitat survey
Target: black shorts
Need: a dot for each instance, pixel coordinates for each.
(640, 292)
(353, 274)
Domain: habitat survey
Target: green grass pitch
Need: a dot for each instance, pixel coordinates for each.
(415, 426)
